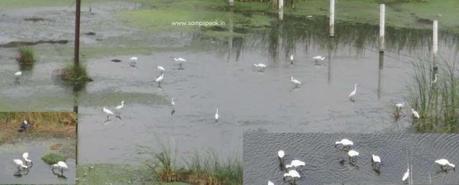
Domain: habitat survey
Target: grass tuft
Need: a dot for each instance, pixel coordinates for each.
(75, 75)
(26, 58)
(52, 158)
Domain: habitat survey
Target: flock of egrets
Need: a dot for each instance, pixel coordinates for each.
(25, 164)
(291, 174)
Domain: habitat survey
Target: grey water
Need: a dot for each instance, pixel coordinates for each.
(322, 159)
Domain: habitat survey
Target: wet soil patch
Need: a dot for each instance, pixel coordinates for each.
(14, 44)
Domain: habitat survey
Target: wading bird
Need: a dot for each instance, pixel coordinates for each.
(180, 61)
(270, 183)
(295, 82)
(292, 58)
(161, 68)
(376, 162)
(345, 143)
(353, 93)
(133, 61)
(405, 176)
(415, 114)
(217, 116)
(20, 165)
(295, 163)
(119, 108)
(173, 106)
(108, 112)
(435, 78)
(280, 156)
(18, 74)
(352, 154)
(398, 110)
(260, 67)
(159, 79)
(293, 175)
(24, 126)
(61, 166)
(445, 164)
(28, 162)
(317, 59)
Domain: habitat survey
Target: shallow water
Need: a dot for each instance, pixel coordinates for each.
(322, 158)
(218, 73)
(40, 172)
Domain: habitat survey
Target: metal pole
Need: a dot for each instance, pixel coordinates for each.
(382, 26)
(231, 2)
(435, 41)
(332, 18)
(77, 33)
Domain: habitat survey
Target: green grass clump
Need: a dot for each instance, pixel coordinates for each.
(52, 158)
(207, 170)
(75, 75)
(26, 58)
(437, 103)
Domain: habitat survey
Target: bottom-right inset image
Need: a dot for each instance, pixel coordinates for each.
(351, 159)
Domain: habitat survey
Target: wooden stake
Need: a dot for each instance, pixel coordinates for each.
(77, 33)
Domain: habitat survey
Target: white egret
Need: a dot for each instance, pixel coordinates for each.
(260, 67)
(346, 143)
(295, 163)
(435, 78)
(317, 59)
(161, 68)
(353, 93)
(400, 105)
(406, 175)
(415, 114)
(180, 61)
(108, 112)
(293, 174)
(270, 183)
(173, 106)
(217, 116)
(398, 109)
(295, 82)
(292, 58)
(18, 74)
(120, 106)
(159, 79)
(20, 164)
(280, 156)
(61, 166)
(28, 161)
(376, 162)
(352, 154)
(445, 164)
(133, 61)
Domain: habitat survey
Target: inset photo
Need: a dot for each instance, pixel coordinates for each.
(38, 147)
(351, 159)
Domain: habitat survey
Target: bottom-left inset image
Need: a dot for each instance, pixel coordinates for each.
(38, 147)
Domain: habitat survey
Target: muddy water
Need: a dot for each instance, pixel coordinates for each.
(322, 158)
(40, 172)
(218, 73)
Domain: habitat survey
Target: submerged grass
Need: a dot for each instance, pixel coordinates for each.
(26, 58)
(43, 124)
(437, 102)
(199, 170)
(75, 75)
(52, 158)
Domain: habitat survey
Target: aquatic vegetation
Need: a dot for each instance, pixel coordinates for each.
(26, 58)
(436, 101)
(198, 170)
(52, 158)
(116, 174)
(43, 124)
(75, 75)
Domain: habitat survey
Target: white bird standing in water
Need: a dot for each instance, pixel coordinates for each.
(292, 58)
(376, 162)
(270, 183)
(61, 166)
(159, 79)
(295, 163)
(352, 154)
(260, 67)
(353, 93)
(180, 60)
(20, 165)
(435, 78)
(406, 175)
(28, 161)
(295, 82)
(399, 106)
(415, 113)
(108, 112)
(17, 75)
(293, 174)
(217, 116)
(317, 59)
(444, 164)
(346, 143)
(161, 68)
(120, 106)
(173, 106)
(133, 61)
